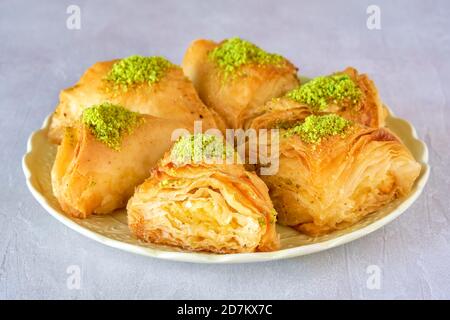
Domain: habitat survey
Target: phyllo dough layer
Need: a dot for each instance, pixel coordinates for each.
(234, 76)
(333, 172)
(89, 176)
(147, 85)
(346, 93)
(203, 206)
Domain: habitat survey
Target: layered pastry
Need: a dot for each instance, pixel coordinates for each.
(235, 76)
(346, 93)
(147, 85)
(333, 172)
(105, 155)
(199, 199)
(127, 138)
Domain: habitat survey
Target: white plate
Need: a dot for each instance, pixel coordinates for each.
(112, 230)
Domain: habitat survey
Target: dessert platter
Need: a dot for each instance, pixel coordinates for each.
(234, 156)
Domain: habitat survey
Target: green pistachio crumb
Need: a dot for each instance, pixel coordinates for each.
(167, 183)
(262, 221)
(320, 92)
(233, 53)
(273, 216)
(164, 183)
(109, 122)
(198, 147)
(138, 69)
(314, 128)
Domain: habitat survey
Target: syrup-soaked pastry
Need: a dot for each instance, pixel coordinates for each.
(346, 93)
(147, 85)
(235, 76)
(105, 155)
(198, 200)
(332, 172)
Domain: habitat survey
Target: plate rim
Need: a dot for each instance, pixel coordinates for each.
(198, 257)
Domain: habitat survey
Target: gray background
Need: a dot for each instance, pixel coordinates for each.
(408, 58)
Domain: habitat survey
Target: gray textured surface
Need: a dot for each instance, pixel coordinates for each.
(408, 58)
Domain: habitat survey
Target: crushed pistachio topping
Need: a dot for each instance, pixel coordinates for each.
(320, 92)
(235, 52)
(314, 128)
(138, 69)
(109, 123)
(199, 147)
(166, 183)
(273, 216)
(262, 221)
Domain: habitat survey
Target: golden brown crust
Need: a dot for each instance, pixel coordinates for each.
(173, 97)
(276, 112)
(204, 207)
(370, 112)
(234, 98)
(89, 177)
(329, 186)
